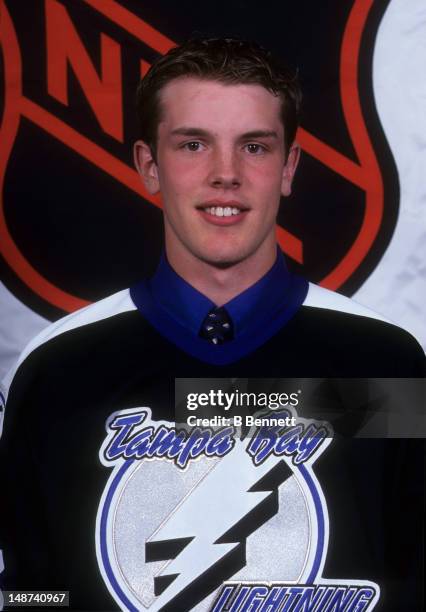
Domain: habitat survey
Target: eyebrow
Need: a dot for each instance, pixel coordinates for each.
(189, 131)
(259, 134)
(193, 131)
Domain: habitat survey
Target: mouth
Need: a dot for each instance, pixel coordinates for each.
(223, 213)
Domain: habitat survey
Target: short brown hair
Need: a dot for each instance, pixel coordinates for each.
(227, 60)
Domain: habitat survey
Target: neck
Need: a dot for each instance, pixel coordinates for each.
(221, 284)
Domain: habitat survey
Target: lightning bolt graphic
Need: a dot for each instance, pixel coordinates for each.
(205, 536)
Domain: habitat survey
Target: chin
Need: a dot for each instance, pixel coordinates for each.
(222, 260)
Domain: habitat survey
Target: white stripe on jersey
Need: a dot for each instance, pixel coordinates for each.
(108, 307)
(318, 297)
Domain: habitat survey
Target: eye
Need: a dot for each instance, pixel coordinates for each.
(254, 148)
(193, 146)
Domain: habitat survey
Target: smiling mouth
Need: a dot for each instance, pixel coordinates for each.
(219, 211)
(222, 211)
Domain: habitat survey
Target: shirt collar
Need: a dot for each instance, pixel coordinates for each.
(176, 310)
(189, 307)
(181, 301)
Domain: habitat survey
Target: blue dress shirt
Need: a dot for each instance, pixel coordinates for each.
(177, 310)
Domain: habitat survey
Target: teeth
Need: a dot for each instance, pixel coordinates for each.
(219, 211)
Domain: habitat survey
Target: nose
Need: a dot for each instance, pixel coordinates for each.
(225, 171)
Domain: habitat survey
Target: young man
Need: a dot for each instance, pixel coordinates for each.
(163, 531)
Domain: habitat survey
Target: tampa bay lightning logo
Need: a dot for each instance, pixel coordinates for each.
(204, 520)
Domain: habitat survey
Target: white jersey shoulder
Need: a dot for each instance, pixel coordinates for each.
(103, 309)
(318, 297)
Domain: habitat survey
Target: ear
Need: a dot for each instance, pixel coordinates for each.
(289, 169)
(146, 166)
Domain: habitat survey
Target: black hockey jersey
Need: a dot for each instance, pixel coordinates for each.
(103, 496)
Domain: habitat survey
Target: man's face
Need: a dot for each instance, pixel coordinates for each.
(221, 170)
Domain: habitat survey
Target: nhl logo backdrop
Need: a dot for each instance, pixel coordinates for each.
(77, 224)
